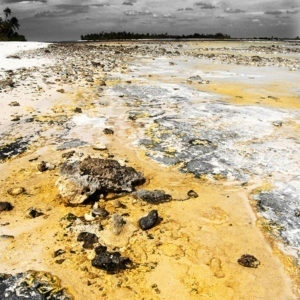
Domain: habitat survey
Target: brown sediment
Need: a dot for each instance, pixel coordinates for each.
(191, 254)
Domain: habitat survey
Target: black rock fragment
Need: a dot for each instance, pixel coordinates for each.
(149, 221)
(153, 197)
(5, 206)
(108, 131)
(111, 262)
(34, 213)
(88, 239)
(249, 261)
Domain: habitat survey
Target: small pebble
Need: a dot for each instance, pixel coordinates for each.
(249, 261)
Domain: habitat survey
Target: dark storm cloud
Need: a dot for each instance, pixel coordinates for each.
(273, 12)
(204, 5)
(234, 11)
(18, 1)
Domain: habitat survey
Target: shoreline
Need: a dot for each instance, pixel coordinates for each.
(203, 221)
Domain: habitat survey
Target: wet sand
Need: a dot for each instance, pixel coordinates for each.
(193, 252)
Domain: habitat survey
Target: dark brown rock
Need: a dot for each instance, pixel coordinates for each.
(88, 239)
(249, 261)
(5, 206)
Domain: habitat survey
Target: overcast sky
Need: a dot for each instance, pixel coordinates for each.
(46, 20)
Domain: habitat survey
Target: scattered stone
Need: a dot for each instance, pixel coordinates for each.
(32, 285)
(7, 237)
(88, 239)
(16, 191)
(81, 179)
(13, 56)
(68, 154)
(5, 206)
(117, 224)
(248, 261)
(78, 110)
(111, 262)
(149, 221)
(192, 194)
(34, 213)
(15, 118)
(42, 166)
(58, 252)
(99, 211)
(100, 147)
(60, 91)
(277, 123)
(60, 261)
(108, 131)
(153, 197)
(14, 103)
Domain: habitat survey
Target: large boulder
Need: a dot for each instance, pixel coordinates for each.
(81, 179)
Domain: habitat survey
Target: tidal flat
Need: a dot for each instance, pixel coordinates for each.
(150, 170)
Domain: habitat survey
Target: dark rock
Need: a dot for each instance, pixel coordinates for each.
(68, 154)
(149, 221)
(5, 206)
(108, 131)
(153, 197)
(17, 147)
(58, 252)
(81, 179)
(111, 262)
(192, 194)
(14, 103)
(60, 261)
(248, 261)
(42, 166)
(32, 285)
(78, 110)
(34, 213)
(88, 239)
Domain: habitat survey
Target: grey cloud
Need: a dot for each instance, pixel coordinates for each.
(273, 12)
(19, 1)
(292, 11)
(185, 9)
(138, 13)
(234, 10)
(204, 5)
(129, 2)
(63, 10)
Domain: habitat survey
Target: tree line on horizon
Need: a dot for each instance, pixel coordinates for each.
(9, 26)
(132, 36)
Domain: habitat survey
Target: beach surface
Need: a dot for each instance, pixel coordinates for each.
(212, 125)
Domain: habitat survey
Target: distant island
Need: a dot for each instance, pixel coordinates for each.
(9, 26)
(135, 36)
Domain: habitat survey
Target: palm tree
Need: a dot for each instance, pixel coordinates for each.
(7, 12)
